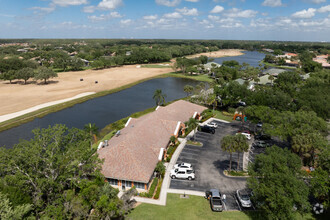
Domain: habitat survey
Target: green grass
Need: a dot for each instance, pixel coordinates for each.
(195, 143)
(278, 66)
(154, 66)
(203, 78)
(223, 115)
(195, 207)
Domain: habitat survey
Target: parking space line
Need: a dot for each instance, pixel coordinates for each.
(224, 204)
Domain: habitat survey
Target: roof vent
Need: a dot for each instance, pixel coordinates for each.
(117, 133)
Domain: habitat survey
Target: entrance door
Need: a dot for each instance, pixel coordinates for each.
(123, 184)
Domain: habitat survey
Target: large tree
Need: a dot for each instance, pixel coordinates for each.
(25, 74)
(242, 145)
(44, 73)
(277, 183)
(188, 89)
(229, 144)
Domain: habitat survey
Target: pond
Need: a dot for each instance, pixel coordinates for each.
(251, 57)
(103, 110)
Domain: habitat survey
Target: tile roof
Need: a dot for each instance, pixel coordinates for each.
(133, 154)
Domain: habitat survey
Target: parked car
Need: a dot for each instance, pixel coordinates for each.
(207, 129)
(243, 197)
(259, 125)
(247, 135)
(183, 165)
(214, 196)
(262, 144)
(241, 103)
(182, 173)
(262, 137)
(212, 125)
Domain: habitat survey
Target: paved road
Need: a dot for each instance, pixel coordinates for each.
(209, 162)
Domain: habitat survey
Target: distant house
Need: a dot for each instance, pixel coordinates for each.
(22, 50)
(273, 71)
(250, 85)
(211, 65)
(268, 50)
(86, 62)
(128, 53)
(322, 59)
(263, 80)
(131, 156)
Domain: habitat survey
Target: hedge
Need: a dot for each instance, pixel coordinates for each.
(153, 187)
(158, 189)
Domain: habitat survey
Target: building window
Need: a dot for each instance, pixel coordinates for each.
(128, 184)
(139, 185)
(113, 182)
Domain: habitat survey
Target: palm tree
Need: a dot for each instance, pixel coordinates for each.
(228, 144)
(271, 78)
(241, 110)
(159, 97)
(241, 145)
(92, 130)
(193, 123)
(212, 100)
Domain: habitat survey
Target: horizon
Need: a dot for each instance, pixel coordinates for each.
(265, 20)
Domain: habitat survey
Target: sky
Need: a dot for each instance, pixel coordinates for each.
(280, 20)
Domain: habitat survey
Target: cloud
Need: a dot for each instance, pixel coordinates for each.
(126, 22)
(150, 17)
(217, 9)
(324, 9)
(89, 9)
(109, 4)
(69, 2)
(272, 3)
(309, 13)
(44, 9)
(188, 12)
(174, 15)
(103, 17)
(237, 13)
(191, 0)
(213, 17)
(318, 1)
(168, 3)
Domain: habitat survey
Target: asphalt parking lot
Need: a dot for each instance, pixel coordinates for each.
(209, 162)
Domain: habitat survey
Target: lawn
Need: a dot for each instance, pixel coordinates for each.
(224, 116)
(195, 207)
(203, 77)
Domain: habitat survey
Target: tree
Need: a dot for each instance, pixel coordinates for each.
(188, 89)
(7, 211)
(193, 124)
(44, 73)
(228, 144)
(92, 130)
(160, 169)
(9, 75)
(56, 159)
(212, 101)
(241, 146)
(159, 97)
(320, 186)
(271, 78)
(25, 74)
(277, 184)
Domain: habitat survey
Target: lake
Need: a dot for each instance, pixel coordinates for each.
(251, 57)
(103, 110)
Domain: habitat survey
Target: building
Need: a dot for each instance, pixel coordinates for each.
(131, 156)
(273, 71)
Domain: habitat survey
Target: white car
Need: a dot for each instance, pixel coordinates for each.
(182, 173)
(212, 124)
(247, 135)
(183, 165)
(243, 197)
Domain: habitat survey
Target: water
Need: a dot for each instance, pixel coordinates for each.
(103, 110)
(251, 57)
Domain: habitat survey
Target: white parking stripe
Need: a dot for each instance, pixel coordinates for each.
(224, 204)
(238, 204)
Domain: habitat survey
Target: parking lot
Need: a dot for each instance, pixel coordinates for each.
(209, 162)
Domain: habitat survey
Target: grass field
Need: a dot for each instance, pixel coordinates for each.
(221, 115)
(195, 207)
(203, 78)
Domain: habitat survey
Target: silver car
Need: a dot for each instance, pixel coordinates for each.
(243, 197)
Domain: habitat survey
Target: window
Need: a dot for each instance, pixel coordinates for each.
(128, 184)
(181, 172)
(113, 182)
(139, 185)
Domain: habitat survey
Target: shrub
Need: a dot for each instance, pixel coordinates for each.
(231, 110)
(152, 187)
(158, 189)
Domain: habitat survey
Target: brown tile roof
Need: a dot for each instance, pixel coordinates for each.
(133, 154)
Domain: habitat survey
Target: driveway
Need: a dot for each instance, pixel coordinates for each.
(209, 162)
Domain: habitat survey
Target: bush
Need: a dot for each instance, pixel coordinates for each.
(231, 110)
(158, 189)
(153, 187)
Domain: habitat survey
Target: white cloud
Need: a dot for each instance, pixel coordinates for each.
(150, 17)
(125, 22)
(173, 15)
(188, 12)
(213, 17)
(232, 25)
(103, 17)
(44, 9)
(204, 22)
(89, 9)
(272, 3)
(168, 3)
(191, 0)
(318, 1)
(264, 14)
(109, 4)
(209, 26)
(69, 2)
(237, 13)
(217, 9)
(309, 13)
(324, 9)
